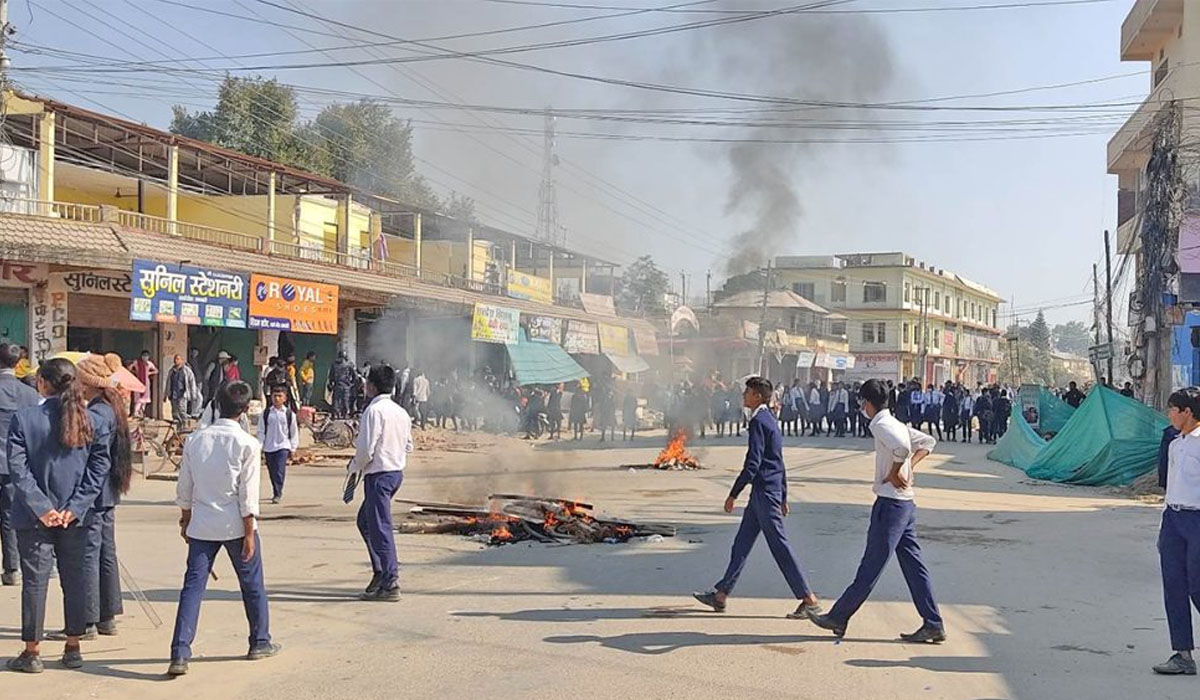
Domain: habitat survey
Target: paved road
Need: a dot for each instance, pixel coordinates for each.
(1048, 592)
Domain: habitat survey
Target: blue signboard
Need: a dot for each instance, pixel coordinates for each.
(173, 293)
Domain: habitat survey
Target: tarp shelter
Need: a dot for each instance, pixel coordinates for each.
(628, 364)
(1054, 412)
(1109, 440)
(542, 363)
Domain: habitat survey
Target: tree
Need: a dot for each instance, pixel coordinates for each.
(1039, 333)
(460, 207)
(643, 288)
(1073, 337)
(1032, 364)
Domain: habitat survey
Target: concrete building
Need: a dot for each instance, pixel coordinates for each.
(901, 313)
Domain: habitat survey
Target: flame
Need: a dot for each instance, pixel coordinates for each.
(676, 451)
(501, 534)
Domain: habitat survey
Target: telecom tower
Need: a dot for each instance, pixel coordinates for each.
(548, 229)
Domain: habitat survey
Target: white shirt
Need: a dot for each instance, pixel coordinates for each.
(814, 398)
(421, 389)
(967, 404)
(219, 481)
(1183, 471)
(384, 437)
(839, 397)
(279, 436)
(895, 442)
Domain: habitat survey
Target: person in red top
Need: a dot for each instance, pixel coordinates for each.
(233, 373)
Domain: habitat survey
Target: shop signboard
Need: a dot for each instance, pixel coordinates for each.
(495, 324)
(581, 337)
(282, 304)
(874, 366)
(105, 283)
(544, 329)
(530, 287)
(174, 293)
(614, 340)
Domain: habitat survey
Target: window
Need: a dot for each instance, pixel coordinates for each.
(805, 289)
(868, 332)
(948, 304)
(937, 301)
(993, 318)
(904, 333)
(837, 328)
(974, 312)
(907, 293)
(880, 332)
(838, 293)
(874, 292)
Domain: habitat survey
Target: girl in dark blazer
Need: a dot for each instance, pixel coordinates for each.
(58, 456)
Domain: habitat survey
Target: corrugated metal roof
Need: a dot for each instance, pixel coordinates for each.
(776, 299)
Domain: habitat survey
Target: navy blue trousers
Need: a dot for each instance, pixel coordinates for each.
(277, 469)
(375, 523)
(892, 529)
(764, 514)
(100, 563)
(10, 553)
(40, 548)
(201, 554)
(1179, 554)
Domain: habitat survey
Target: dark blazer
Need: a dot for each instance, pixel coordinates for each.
(14, 395)
(48, 476)
(110, 491)
(1169, 434)
(763, 469)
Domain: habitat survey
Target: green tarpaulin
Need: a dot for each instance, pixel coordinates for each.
(1108, 440)
(1053, 412)
(542, 363)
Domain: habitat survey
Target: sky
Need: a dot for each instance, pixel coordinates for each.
(1019, 207)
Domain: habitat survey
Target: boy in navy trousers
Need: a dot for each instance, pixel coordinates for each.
(764, 472)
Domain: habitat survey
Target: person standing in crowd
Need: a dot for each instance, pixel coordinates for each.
(215, 379)
(233, 371)
(381, 453)
(985, 414)
(276, 375)
(787, 409)
(145, 371)
(797, 394)
(950, 411)
(966, 410)
(1179, 534)
(197, 366)
(816, 407)
(279, 433)
(903, 403)
(629, 418)
(898, 450)
(852, 409)
(1127, 390)
(892, 398)
(931, 413)
(106, 406)
(182, 391)
(421, 392)
(342, 379)
(307, 376)
(916, 406)
(14, 396)
(839, 405)
(1002, 409)
(718, 406)
(580, 405)
(604, 414)
(554, 411)
(1074, 396)
(764, 472)
(217, 494)
(531, 412)
(293, 384)
(25, 371)
(734, 413)
(58, 459)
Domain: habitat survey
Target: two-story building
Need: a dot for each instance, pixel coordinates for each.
(904, 318)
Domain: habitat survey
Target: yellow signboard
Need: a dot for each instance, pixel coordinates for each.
(524, 286)
(614, 340)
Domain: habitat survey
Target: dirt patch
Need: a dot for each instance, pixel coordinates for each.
(657, 493)
(788, 651)
(967, 536)
(1082, 650)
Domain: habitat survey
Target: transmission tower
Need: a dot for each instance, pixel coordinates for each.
(548, 229)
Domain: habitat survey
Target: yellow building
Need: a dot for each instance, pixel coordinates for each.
(900, 312)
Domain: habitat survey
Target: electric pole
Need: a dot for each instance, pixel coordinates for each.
(4, 29)
(1096, 315)
(762, 320)
(548, 230)
(708, 290)
(923, 297)
(1108, 306)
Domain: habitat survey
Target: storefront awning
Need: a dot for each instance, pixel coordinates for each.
(542, 363)
(628, 364)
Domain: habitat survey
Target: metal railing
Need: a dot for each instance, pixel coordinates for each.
(195, 232)
(54, 210)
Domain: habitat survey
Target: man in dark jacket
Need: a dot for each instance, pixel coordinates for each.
(342, 382)
(766, 475)
(14, 395)
(1074, 396)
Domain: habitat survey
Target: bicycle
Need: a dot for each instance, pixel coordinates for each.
(335, 433)
(168, 449)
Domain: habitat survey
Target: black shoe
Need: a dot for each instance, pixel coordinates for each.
(1176, 666)
(806, 612)
(275, 500)
(387, 593)
(8, 578)
(178, 667)
(72, 657)
(265, 651)
(927, 634)
(89, 634)
(710, 599)
(825, 623)
(107, 628)
(373, 586)
(27, 662)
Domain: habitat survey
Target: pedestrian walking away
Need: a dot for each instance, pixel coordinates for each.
(892, 528)
(381, 453)
(1179, 535)
(217, 493)
(764, 472)
(58, 459)
(279, 433)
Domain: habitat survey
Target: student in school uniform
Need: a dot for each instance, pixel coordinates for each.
(764, 472)
(58, 458)
(279, 433)
(14, 395)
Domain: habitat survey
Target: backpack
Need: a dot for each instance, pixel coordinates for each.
(288, 415)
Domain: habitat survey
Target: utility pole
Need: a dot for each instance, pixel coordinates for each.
(923, 297)
(4, 29)
(708, 290)
(1108, 306)
(548, 230)
(762, 320)
(683, 287)
(1096, 315)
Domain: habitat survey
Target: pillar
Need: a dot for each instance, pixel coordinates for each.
(172, 187)
(417, 240)
(374, 234)
(345, 207)
(348, 335)
(553, 291)
(45, 161)
(470, 254)
(583, 278)
(270, 211)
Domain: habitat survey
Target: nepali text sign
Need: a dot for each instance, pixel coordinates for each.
(282, 304)
(874, 366)
(835, 361)
(614, 340)
(646, 339)
(544, 329)
(185, 294)
(805, 358)
(103, 283)
(19, 274)
(581, 337)
(495, 324)
(48, 315)
(524, 286)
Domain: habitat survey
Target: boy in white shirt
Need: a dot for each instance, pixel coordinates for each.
(279, 433)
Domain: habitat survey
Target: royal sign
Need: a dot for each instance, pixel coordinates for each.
(282, 304)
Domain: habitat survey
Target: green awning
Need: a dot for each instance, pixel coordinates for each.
(542, 363)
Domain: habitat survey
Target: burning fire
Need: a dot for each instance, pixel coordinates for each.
(501, 534)
(675, 454)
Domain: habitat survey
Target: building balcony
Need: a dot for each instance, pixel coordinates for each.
(1149, 25)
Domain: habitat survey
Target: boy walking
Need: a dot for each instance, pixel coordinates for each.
(898, 449)
(279, 433)
(217, 494)
(764, 472)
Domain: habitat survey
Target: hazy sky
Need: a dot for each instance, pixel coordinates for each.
(1021, 215)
